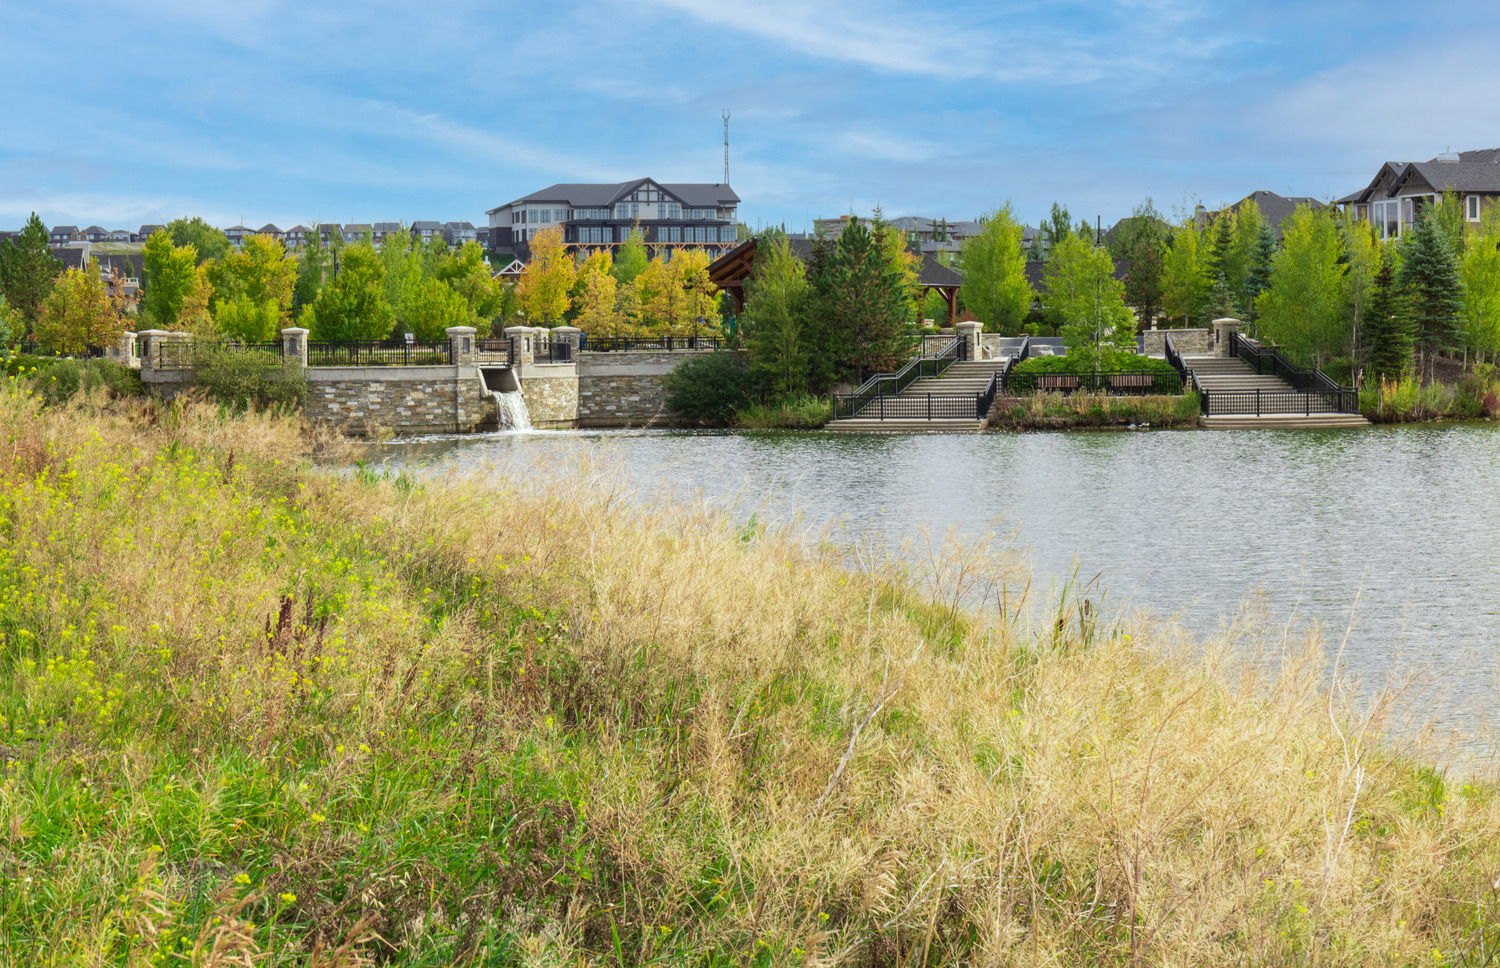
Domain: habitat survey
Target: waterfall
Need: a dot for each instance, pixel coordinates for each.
(510, 410)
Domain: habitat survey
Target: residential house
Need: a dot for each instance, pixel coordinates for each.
(236, 234)
(1400, 190)
(147, 231)
(272, 231)
(457, 233)
(122, 235)
(482, 235)
(356, 232)
(63, 234)
(1274, 208)
(424, 231)
(329, 231)
(601, 217)
(95, 233)
(296, 236)
(383, 229)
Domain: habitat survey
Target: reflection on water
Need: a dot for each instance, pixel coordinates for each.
(1185, 523)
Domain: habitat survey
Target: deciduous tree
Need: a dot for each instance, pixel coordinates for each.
(994, 267)
(631, 260)
(171, 277)
(545, 282)
(352, 305)
(262, 273)
(77, 313)
(1481, 278)
(207, 241)
(1184, 287)
(597, 297)
(1302, 309)
(1088, 300)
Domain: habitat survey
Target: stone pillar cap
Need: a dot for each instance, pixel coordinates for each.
(518, 330)
(294, 331)
(566, 329)
(1226, 319)
(968, 324)
(127, 333)
(153, 332)
(460, 331)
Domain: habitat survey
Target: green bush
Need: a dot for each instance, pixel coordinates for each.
(1023, 376)
(242, 379)
(794, 413)
(61, 380)
(709, 389)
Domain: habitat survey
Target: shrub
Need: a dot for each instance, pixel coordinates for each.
(794, 413)
(242, 379)
(1023, 375)
(709, 389)
(62, 380)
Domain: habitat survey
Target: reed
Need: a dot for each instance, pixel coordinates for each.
(257, 713)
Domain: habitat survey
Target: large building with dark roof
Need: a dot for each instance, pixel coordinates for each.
(1400, 190)
(595, 217)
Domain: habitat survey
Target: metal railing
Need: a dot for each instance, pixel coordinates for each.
(1261, 403)
(1304, 384)
(619, 344)
(544, 350)
(491, 348)
(887, 385)
(1113, 382)
(987, 397)
(1175, 358)
(379, 353)
(917, 406)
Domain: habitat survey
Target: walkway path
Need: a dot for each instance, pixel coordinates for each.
(944, 397)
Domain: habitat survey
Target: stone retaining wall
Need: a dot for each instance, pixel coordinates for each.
(624, 389)
(1189, 342)
(404, 399)
(551, 394)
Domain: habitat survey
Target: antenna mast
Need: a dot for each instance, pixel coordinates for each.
(726, 146)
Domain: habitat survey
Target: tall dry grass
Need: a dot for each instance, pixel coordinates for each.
(255, 711)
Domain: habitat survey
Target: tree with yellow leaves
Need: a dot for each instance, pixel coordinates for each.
(77, 313)
(546, 280)
(597, 297)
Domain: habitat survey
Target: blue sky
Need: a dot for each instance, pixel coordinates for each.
(120, 114)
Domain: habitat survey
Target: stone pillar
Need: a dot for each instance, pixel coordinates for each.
(125, 352)
(571, 335)
(522, 346)
(147, 342)
(461, 345)
(969, 332)
(294, 349)
(1222, 329)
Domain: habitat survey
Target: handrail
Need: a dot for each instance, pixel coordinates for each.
(891, 384)
(987, 398)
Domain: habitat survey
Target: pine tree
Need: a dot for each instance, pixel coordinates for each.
(775, 319)
(1258, 272)
(1430, 279)
(1220, 243)
(868, 299)
(1143, 280)
(1387, 337)
(28, 271)
(1220, 303)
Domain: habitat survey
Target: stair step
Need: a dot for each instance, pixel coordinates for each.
(1283, 422)
(906, 426)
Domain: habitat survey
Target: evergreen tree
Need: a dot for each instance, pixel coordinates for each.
(1220, 239)
(1220, 303)
(868, 300)
(631, 260)
(775, 317)
(1258, 271)
(1143, 281)
(1430, 279)
(27, 272)
(1388, 337)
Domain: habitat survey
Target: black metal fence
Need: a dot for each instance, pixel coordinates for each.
(912, 406)
(30, 347)
(379, 353)
(1263, 403)
(503, 348)
(544, 350)
(620, 344)
(1114, 383)
(882, 385)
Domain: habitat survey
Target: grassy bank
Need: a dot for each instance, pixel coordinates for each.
(1407, 400)
(1054, 411)
(806, 413)
(251, 709)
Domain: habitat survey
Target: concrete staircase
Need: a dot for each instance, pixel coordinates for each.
(1220, 374)
(965, 378)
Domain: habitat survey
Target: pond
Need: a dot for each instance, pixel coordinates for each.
(1390, 533)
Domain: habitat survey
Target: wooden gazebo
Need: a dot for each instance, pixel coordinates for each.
(731, 269)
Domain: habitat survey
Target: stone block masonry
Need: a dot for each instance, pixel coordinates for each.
(1189, 342)
(551, 394)
(624, 389)
(405, 400)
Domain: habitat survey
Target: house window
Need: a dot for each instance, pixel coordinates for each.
(546, 216)
(674, 210)
(1472, 201)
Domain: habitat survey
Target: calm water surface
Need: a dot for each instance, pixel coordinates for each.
(1187, 523)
